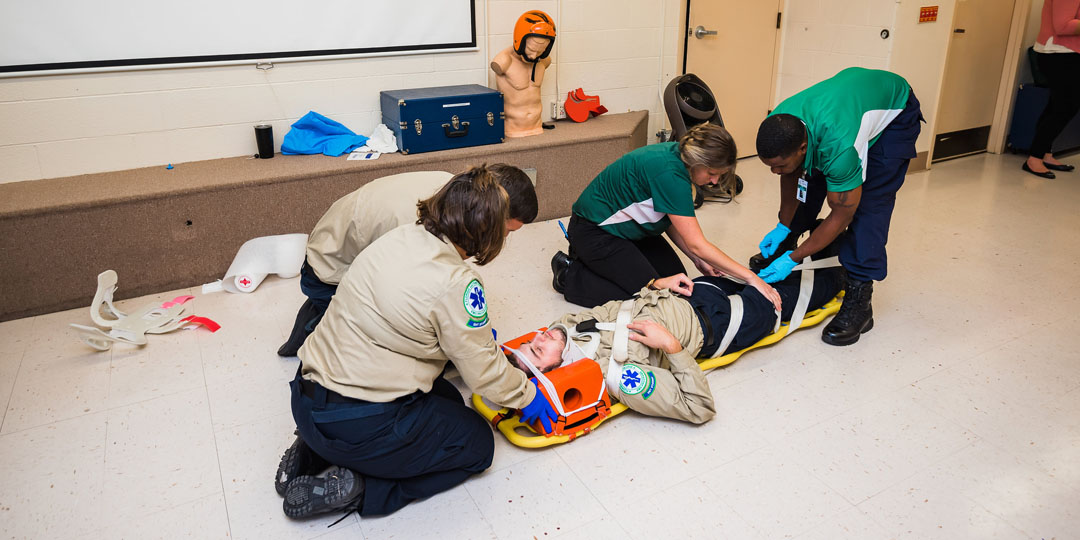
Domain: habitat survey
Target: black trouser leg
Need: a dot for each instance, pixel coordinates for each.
(606, 267)
(407, 449)
(661, 255)
(311, 312)
(1062, 70)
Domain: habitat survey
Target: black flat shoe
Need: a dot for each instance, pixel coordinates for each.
(1048, 175)
(560, 263)
(1056, 167)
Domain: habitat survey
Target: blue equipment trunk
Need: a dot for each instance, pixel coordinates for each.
(444, 117)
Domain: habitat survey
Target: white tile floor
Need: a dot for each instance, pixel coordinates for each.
(957, 417)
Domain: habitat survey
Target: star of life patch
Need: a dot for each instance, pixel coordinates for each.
(475, 304)
(633, 380)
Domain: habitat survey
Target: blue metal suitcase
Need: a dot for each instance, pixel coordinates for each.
(444, 117)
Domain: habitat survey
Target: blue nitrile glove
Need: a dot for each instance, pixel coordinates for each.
(772, 240)
(779, 269)
(539, 409)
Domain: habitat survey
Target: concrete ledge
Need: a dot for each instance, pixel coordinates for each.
(166, 229)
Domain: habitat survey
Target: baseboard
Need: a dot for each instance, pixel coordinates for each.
(961, 143)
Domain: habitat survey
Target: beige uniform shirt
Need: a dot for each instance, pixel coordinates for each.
(406, 306)
(357, 219)
(671, 386)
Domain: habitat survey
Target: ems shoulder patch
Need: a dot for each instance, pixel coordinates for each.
(633, 380)
(475, 304)
(650, 385)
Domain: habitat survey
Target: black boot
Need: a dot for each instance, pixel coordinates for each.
(302, 328)
(298, 460)
(560, 263)
(856, 315)
(336, 489)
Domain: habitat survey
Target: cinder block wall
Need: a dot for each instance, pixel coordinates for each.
(822, 37)
(66, 125)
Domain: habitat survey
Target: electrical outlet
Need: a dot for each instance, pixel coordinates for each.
(558, 112)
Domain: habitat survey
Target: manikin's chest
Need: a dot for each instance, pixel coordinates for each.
(520, 74)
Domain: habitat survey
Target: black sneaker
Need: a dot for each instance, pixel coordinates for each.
(298, 460)
(336, 489)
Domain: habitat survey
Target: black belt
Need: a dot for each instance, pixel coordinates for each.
(706, 326)
(308, 389)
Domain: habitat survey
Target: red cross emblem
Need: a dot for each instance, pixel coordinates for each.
(244, 282)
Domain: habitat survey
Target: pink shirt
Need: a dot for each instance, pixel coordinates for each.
(1060, 20)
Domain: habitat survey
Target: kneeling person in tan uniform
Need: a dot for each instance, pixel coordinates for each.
(359, 218)
(370, 399)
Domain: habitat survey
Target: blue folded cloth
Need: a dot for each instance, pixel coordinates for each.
(316, 134)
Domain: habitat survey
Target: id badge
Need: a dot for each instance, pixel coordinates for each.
(800, 193)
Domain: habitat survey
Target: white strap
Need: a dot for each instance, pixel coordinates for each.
(622, 333)
(734, 322)
(619, 343)
(818, 264)
(574, 352)
(806, 289)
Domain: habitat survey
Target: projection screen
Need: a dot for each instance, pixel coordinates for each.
(50, 35)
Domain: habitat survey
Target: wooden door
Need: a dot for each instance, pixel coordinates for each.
(973, 70)
(738, 62)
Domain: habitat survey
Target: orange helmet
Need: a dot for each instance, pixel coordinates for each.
(534, 23)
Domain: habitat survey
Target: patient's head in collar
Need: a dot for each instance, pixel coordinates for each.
(544, 351)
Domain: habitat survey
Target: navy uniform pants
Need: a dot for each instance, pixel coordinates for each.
(607, 267)
(711, 301)
(318, 293)
(862, 246)
(307, 318)
(407, 449)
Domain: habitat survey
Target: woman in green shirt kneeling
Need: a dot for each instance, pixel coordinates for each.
(616, 230)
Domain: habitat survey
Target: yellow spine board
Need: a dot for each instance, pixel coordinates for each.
(510, 423)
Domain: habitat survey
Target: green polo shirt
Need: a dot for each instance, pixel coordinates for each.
(844, 116)
(632, 197)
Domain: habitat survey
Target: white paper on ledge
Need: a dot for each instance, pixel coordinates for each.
(282, 254)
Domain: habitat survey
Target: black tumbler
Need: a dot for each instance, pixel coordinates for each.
(264, 137)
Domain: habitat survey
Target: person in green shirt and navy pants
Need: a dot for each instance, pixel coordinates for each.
(615, 232)
(846, 140)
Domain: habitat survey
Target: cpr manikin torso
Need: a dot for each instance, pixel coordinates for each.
(520, 86)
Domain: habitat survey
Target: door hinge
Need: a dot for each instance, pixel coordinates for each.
(778, 15)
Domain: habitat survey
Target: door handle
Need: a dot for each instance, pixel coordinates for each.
(700, 32)
(959, 31)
